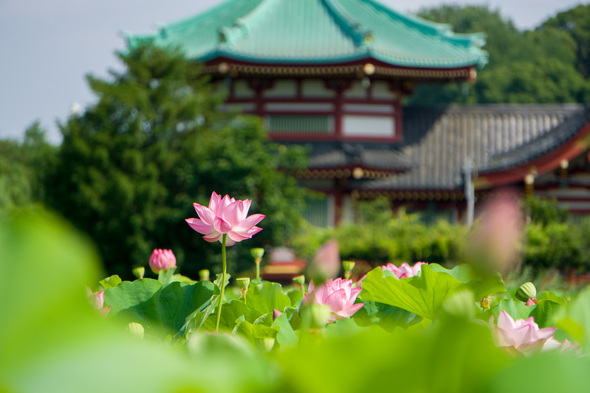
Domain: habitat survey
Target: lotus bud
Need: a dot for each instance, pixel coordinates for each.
(257, 253)
(139, 272)
(204, 275)
(300, 280)
(136, 330)
(265, 344)
(527, 291)
(162, 260)
(275, 314)
(97, 299)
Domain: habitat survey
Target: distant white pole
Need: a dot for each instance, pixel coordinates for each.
(469, 193)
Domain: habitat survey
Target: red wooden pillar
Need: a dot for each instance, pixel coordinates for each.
(338, 113)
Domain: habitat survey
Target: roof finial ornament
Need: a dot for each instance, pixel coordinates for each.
(222, 37)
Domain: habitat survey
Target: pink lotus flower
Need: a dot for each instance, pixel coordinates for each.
(521, 335)
(162, 260)
(225, 216)
(338, 294)
(553, 344)
(96, 299)
(405, 270)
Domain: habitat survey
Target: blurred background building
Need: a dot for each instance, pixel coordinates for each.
(333, 75)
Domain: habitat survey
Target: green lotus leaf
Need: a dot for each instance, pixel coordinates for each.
(155, 306)
(421, 295)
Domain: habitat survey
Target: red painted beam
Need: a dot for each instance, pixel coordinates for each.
(549, 162)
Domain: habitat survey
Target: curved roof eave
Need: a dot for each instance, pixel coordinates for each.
(364, 55)
(253, 59)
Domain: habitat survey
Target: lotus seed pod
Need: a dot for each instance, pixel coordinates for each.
(136, 330)
(300, 280)
(348, 265)
(139, 272)
(257, 252)
(243, 283)
(486, 302)
(526, 291)
(204, 275)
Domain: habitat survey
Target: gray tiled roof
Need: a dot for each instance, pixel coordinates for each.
(541, 145)
(438, 141)
(387, 157)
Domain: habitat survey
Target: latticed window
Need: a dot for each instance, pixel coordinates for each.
(297, 124)
(317, 211)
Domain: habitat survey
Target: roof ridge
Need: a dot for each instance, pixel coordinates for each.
(188, 21)
(163, 28)
(230, 34)
(360, 37)
(467, 40)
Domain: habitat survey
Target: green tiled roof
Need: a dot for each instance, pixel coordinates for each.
(318, 32)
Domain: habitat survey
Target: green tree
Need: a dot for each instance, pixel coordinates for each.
(132, 165)
(504, 43)
(576, 23)
(545, 211)
(15, 182)
(524, 67)
(545, 80)
(24, 169)
(40, 157)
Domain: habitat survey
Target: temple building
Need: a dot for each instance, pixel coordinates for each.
(333, 74)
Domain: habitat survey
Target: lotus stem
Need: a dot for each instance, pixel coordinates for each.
(223, 277)
(257, 262)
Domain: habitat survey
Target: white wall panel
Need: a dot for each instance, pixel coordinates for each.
(368, 126)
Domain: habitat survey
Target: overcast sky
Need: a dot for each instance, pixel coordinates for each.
(48, 46)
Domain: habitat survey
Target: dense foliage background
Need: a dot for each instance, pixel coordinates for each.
(130, 167)
(552, 239)
(546, 65)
